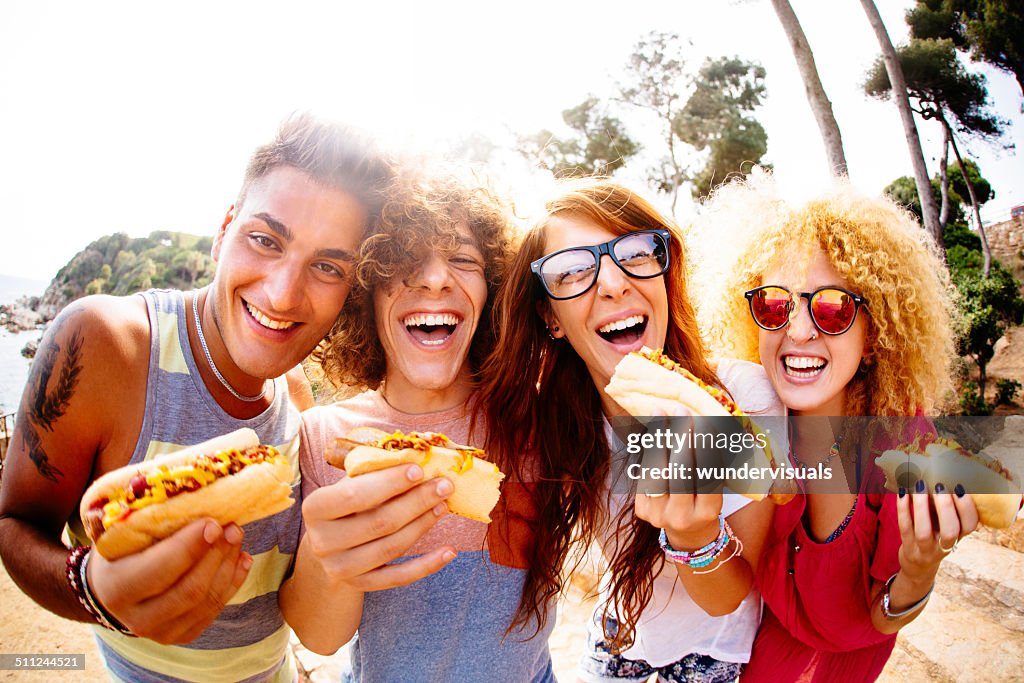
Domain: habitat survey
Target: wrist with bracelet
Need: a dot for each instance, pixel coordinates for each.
(705, 556)
(77, 566)
(887, 601)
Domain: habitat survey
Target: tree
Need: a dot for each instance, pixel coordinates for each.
(820, 104)
(929, 211)
(991, 30)
(943, 91)
(715, 118)
(656, 79)
(600, 144)
(989, 305)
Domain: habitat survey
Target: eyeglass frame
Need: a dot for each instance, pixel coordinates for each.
(605, 249)
(858, 301)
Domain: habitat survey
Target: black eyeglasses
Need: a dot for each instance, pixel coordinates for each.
(833, 309)
(571, 272)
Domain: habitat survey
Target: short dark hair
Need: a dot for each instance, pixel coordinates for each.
(330, 153)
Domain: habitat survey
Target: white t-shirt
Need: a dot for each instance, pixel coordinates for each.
(673, 625)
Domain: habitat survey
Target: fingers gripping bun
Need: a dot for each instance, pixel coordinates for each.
(476, 481)
(257, 490)
(996, 491)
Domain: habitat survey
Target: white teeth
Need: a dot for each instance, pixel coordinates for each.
(422, 319)
(804, 362)
(621, 324)
(265, 321)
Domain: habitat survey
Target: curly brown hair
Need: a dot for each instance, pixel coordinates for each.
(421, 213)
(874, 244)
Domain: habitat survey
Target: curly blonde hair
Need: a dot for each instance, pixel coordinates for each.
(874, 244)
(421, 213)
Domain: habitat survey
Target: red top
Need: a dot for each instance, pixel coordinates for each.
(816, 624)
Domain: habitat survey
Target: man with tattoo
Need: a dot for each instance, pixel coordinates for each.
(118, 380)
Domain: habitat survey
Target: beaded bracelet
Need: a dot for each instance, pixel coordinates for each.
(698, 559)
(77, 565)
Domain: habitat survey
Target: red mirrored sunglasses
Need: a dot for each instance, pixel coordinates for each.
(833, 309)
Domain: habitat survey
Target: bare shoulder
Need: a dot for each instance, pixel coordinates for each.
(85, 394)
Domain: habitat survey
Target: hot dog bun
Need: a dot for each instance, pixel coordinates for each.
(476, 480)
(647, 382)
(256, 491)
(642, 384)
(996, 490)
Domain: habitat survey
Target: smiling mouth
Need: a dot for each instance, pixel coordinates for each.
(265, 320)
(803, 366)
(431, 329)
(625, 331)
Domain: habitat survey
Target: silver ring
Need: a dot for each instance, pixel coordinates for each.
(947, 551)
(656, 495)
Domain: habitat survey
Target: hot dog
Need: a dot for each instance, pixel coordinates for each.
(231, 478)
(476, 480)
(995, 489)
(647, 382)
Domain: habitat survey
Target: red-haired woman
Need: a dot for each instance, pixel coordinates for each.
(600, 275)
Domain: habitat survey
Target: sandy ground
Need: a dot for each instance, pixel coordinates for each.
(26, 628)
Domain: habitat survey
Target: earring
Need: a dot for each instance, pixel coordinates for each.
(553, 328)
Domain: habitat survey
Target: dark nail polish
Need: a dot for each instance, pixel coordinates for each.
(903, 491)
(919, 486)
(959, 490)
(939, 488)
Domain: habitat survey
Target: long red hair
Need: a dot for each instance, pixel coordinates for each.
(539, 399)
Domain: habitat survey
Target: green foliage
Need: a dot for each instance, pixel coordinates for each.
(972, 402)
(982, 188)
(1006, 391)
(656, 78)
(120, 265)
(961, 258)
(941, 86)
(903, 191)
(959, 235)
(988, 307)
(715, 117)
(990, 29)
(600, 144)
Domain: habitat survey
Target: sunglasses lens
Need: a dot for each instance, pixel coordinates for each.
(770, 307)
(833, 310)
(568, 273)
(643, 254)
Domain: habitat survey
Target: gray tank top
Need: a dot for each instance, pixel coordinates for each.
(181, 412)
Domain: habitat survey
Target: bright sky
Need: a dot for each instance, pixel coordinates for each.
(134, 117)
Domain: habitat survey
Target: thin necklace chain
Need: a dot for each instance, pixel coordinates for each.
(832, 453)
(209, 358)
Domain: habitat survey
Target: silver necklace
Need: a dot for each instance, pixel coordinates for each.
(832, 453)
(209, 358)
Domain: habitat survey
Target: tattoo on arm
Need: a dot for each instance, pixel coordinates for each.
(50, 405)
(45, 405)
(35, 451)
